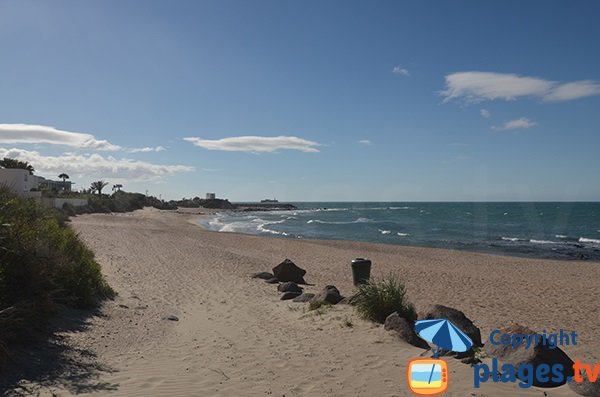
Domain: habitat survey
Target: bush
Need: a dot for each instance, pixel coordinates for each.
(379, 298)
(43, 264)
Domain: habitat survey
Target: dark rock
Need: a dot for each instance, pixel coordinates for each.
(290, 295)
(263, 275)
(405, 330)
(273, 280)
(329, 294)
(288, 271)
(289, 286)
(586, 388)
(457, 318)
(172, 318)
(534, 355)
(305, 297)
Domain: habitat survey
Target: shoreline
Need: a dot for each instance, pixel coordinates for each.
(235, 337)
(212, 212)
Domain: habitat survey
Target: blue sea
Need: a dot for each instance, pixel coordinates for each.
(544, 229)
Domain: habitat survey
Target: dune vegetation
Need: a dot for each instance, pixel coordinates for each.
(43, 266)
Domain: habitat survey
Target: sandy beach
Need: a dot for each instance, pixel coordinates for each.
(234, 337)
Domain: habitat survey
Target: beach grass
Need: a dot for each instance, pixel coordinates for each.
(379, 298)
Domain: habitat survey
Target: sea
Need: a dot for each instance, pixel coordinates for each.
(556, 230)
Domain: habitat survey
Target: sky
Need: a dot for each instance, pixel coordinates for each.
(307, 100)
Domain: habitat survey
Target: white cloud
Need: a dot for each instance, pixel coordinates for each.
(94, 165)
(475, 87)
(400, 71)
(147, 149)
(485, 113)
(365, 142)
(255, 144)
(35, 134)
(516, 124)
(574, 90)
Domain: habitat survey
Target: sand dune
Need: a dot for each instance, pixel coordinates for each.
(235, 337)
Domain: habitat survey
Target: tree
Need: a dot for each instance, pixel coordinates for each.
(98, 186)
(64, 177)
(117, 187)
(13, 163)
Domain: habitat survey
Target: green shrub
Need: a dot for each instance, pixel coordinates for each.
(315, 305)
(379, 298)
(42, 264)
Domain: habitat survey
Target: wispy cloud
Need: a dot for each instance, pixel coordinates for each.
(255, 144)
(35, 134)
(400, 71)
(476, 87)
(365, 142)
(147, 149)
(519, 123)
(485, 113)
(94, 165)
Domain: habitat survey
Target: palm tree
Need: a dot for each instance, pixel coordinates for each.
(98, 186)
(117, 187)
(64, 177)
(13, 163)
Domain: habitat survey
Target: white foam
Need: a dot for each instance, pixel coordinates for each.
(511, 239)
(560, 236)
(402, 234)
(589, 240)
(541, 241)
(359, 220)
(385, 231)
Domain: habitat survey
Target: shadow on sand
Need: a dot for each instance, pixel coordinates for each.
(55, 364)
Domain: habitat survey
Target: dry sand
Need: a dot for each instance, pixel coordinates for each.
(235, 337)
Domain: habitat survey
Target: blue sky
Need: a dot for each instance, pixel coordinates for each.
(307, 100)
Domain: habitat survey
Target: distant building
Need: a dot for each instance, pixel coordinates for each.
(211, 196)
(48, 184)
(20, 182)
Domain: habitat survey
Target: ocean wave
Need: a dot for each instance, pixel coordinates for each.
(359, 220)
(403, 234)
(401, 208)
(542, 241)
(512, 239)
(385, 231)
(589, 240)
(561, 236)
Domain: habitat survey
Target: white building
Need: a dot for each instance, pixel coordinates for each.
(211, 196)
(19, 181)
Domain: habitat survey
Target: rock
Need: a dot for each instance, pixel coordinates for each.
(288, 271)
(273, 280)
(305, 297)
(329, 294)
(263, 275)
(172, 318)
(586, 388)
(534, 355)
(289, 286)
(290, 295)
(457, 318)
(404, 329)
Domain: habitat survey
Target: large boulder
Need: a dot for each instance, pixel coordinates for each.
(289, 286)
(404, 329)
(456, 317)
(288, 271)
(329, 294)
(534, 355)
(305, 297)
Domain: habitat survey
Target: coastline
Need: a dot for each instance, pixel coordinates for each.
(234, 336)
